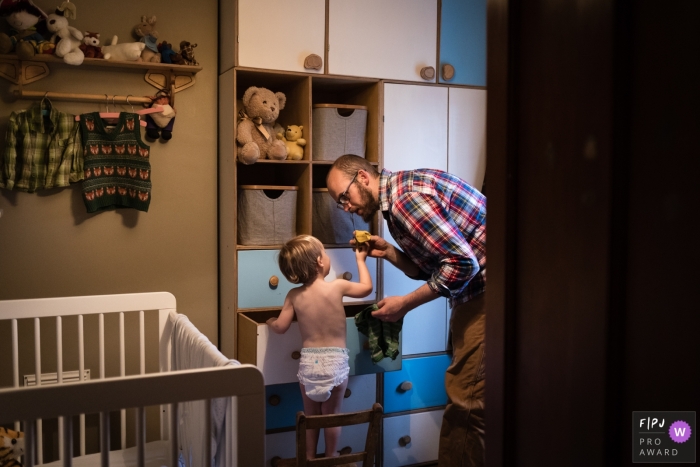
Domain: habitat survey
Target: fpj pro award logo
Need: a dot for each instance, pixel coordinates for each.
(663, 437)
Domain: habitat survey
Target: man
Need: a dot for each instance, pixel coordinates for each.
(439, 221)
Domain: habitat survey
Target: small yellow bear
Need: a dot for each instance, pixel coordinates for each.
(292, 138)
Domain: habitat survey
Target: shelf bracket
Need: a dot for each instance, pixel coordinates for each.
(21, 72)
(170, 80)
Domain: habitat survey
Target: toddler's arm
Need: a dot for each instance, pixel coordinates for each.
(364, 286)
(280, 324)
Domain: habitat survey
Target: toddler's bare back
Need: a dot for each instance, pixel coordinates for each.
(320, 313)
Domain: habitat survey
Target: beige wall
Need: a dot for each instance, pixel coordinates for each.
(50, 246)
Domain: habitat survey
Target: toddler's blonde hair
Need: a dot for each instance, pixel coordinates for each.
(298, 259)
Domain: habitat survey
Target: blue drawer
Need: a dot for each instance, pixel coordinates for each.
(427, 378)
(287, 398)
(255, 268)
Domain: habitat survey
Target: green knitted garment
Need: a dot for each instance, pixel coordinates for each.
(117, 170)
(383, 336)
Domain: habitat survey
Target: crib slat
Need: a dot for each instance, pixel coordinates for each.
(15, 361)
(142, 344)
(81, 375)
(37, 372)
(122, 373)
(67, 441)
(141, 437)
(104, 439)
(59, 377)
(174, 433)
(29, 443)
(101, 333)
(207, 432)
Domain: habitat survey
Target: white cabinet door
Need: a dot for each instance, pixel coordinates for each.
(343, 262)
(279, 36)
(467, 135)
(415, 127)
(412, 438)
(390, 39)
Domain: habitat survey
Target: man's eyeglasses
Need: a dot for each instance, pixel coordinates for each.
(344, 199)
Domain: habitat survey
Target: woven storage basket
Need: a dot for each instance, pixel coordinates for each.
(337, 130)
(267, 215)
(330, 224)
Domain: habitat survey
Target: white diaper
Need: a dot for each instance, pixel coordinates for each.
(321, 369)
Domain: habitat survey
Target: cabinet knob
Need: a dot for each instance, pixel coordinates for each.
(448, 72)
(346, 450)
(347, 275)
(404, 441)
(427, 72)
(296, 355)
(274, 400)
(348, 392)
(406, 386)
(313, 62)
(274, 282)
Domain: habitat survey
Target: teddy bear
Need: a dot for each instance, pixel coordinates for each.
(128, 51)
(27, 26)
(256, 124)
(168, 55)
(69, 38)
(91, 45)
(146, 32)
(294, 142)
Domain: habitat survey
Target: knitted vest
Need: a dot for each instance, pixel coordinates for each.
(117, 170)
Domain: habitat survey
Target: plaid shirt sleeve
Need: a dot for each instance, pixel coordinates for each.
(10, 156)
(441, 239)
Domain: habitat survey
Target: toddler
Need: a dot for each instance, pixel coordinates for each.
(318, 305)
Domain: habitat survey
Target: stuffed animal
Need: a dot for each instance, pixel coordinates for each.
(126, 52)
(11, 447)
(168, 55)
(146, 32)
(294, 142)
(256, 123)
(187, 53)
(26, 22)
(91, 45)
(160, 124)
(69, 38)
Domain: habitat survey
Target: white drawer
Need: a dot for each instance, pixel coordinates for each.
(423, 430)
(343, 262)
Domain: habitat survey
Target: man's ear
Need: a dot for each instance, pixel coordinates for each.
(363, 177)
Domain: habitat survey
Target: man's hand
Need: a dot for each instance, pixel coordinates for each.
(391, 309)
(377, 247)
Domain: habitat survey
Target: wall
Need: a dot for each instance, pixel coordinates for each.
(50, 246)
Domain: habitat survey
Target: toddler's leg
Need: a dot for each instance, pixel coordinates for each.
(333, 406)
(310, 408)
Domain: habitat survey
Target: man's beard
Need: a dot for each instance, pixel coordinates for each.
(369, 204)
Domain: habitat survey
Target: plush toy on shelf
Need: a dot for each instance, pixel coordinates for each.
(126, 52)
(91, 45)
(294, 142)
(187, 53)
(160, 124)
(168, 55)
(146, 32)
(255, 134)
(26, 22)
(69, 38)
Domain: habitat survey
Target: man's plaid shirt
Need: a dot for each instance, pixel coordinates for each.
(439, 221)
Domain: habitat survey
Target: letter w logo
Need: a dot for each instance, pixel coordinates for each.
(680, 432)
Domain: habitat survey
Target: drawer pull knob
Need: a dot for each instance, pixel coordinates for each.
(274, 400)
(274, 282)
(313, 62)
(448, 72)
(296, 355)
(347, 275)
(346, 450)
(427, 72)
(406, 386)
(404, 441)
(348, 392)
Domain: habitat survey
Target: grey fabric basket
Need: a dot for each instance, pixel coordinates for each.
(335, 135)
(330, 224)
(266, 219)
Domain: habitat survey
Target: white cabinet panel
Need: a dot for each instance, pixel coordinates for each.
(467, 135)
(424, 431)
(390, 39)
(342, 262)
(278, 36)
(274, 354)
(415, 127)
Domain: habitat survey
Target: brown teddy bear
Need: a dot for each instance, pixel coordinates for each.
(256, 135)
(91, 45)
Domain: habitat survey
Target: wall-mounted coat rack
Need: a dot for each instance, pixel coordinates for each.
(173, 78)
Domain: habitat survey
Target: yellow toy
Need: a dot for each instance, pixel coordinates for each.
(294, 142)
(362, 236)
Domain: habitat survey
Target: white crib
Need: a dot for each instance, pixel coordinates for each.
(242, 385)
